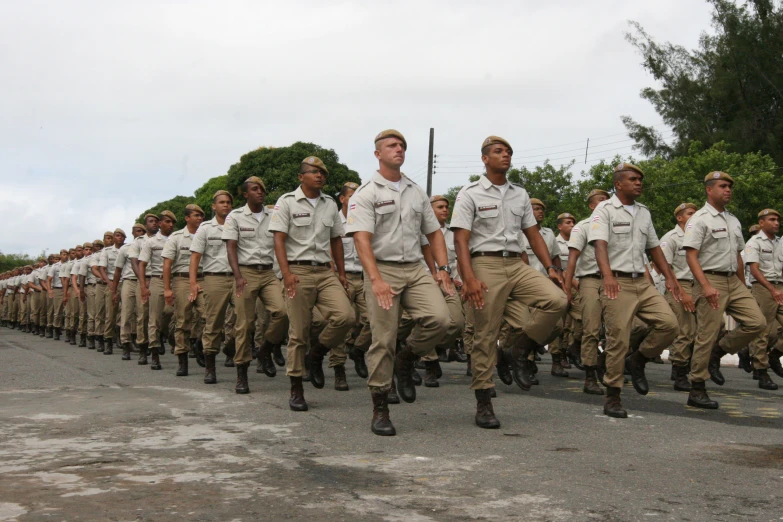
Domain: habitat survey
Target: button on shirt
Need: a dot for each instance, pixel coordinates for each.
(208, 241)
(352, 263)
(177, 249)
(152, 253)
(628, 235)
(309, 228)
(586, 264)
(123, 262)
(768, 253)
(107, 259)
(493, 218)
(717, 236)
(673, 249)
(551, 245)
(255, 242)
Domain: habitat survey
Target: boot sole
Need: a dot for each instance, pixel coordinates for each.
(210, 381)
(491, 426)
(593, 392)
(298, 408)
(242, 392)
(616, 415)
(390, 433)
(703, 406)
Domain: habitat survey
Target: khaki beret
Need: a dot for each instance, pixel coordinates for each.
(195, 207)
(566, 215)
(391, 133)
(150, 216)
(598, 192)
(351, 185)
(108, 233)
(169, 214)
(270, 207)
(623, 167)
(683, 206)
(438, 197)
(87, 244)
(718, 175)
(315, 162)
(767, 211)
(257, 181)
(138, 225)
(491, 140)
(754, 228)
(536, 201)
(98, 242)
(223, 193)
(120, 231)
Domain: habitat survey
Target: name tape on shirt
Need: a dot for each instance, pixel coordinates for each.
(247, 229)
(302, 214)
(622, 224)
(488, 207)
(385, 203)
(719, 230)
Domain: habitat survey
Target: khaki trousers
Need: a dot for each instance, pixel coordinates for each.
(218, 292)
(106, 313)
(91, 291)
(56, 308)
(35, 307)
(99, 312)
(773, 314)
(519, 295)
(681, 349)
(142, 315)
(361, 334)
(420, 296)
(183, 310)
(589, 298)
(572, 326)
(261, 284)
(160, 312)
(637, 297)
(467, 332)
(736, 300)
(262, 321)
(131, 299)
(318, 287)
(39, 308)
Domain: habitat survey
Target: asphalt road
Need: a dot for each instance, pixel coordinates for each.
(90, 437)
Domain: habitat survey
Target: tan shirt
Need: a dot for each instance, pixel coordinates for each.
(628, 235)
(395, 218)
(177, 248)
(562, 245)
(493, 218)
(123, 261)
(551, 245)
(717, 236)
(152, 253)
(674, 251)
(208, 241)
(586, 264)
(54, 273)
(65, 269)
(309, 228)
(107, 259)
(352, 262)
(255, 242)
(768, 253)
(86, 268)
(135, 251)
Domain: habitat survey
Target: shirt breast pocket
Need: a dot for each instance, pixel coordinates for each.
(247, 232)
(621, 235)
(487, 218)
(383, 218)
(300, 228)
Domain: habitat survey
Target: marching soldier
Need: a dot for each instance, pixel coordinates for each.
(386, 217)
(250, 249)
(55, 283)
(176, 284)
(307, 229)
(684, 309)
(104, 329)
(151, 286)
(570, 341)
(764, 257)
(151, 226)
(621, 232)
(126, 282)
(487, 219)
(713, 242)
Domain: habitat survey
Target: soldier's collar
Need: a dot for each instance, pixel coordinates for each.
(712, 210)
(383, 181)
(299, 194)
(486, 183)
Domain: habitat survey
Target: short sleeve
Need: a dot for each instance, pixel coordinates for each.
(119, 262)
(171, 249)
(361, 213)
(752, 254)
(667, 245)
(528, 218)
(199, 242)
(146, 252)
(578, 239)
(280, 216)
(464, 211)
(230, 228)
(599, 225)
(429, 223)
(694, 233)
(740, 239)
(652, 235)
(134, 249)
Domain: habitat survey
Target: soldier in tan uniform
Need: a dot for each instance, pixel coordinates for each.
(69, 297)
(621, 231)
(570, 341)
(307, 229)
(142, 309)
(151, 286)
(107, 309)
(386, 217)
(125, 286)
(101, 289)
(250, 245)
(88, 281)
(208, 257)
(54, 282)
(684, 309)
(713, 242)
(764, 257)
(176, 285)
(487, 219)
(38, 309)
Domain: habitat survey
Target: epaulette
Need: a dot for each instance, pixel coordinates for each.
(516, 185)
(470, 185)
(181, 231)
(288, 195)
(236, 210)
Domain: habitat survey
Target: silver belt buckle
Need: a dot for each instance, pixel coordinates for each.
(313, 263)
(506, 253)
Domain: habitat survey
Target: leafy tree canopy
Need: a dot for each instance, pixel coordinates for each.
(176, 204)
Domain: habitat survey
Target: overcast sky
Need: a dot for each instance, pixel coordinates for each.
(108, 107)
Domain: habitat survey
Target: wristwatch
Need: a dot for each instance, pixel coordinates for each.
(445, 268)
(551, 266)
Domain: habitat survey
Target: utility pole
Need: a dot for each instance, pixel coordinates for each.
(429, 162)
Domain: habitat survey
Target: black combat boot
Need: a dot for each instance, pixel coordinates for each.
(503, 367)
(521, 369)
(714, 365)
(635, 364)
(340, 380)
(416, 376)
(109, 349)
(126, 350)
(591, 382)
(73, 337)
(182, 371)
(156, 353)
(681, 382)
(101, 344)
(455, 354)
(765, 383)
(277, 355)
(90, 342)
(485, 414)
(56, 336)
(297, 400)
(210, 376)
(242, 386)
(431, 375)
(82, 341)
(613, 407)
(403, 370)
(143, 354)
(393, 397)
(229, 350)
(469, 369)
(744, 360)
(314, 362)
(381, 424)
(359, 364)
(50, 332)
(557, 366)
(698, 397)
(774, 362)
(197, 347)
(265, 363)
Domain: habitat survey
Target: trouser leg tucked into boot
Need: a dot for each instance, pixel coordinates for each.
(613, 407)
(314, 362)
(242, 386)
(90, 342)
(681, 382)
(403, 370)
(765, 383)
(143, 354)
(431, 374)
(485, 414)
(340, 379)
(182, 370)
(126, 351)
(714, 365)
(156, 352)
(210, 376)
(591, 381)
(109, 349)
(635, 364)
(698, 397)
(381, 423)
(297, 401)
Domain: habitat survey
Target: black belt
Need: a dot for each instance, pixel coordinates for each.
(773, 282)
(101, 283)
(591, 276)
(198, 276)
(499, 253)
(258, 267)
(721, 274)
(632, 275)
(155, 276)
(308, 263)
(218, 273)
(354, 273)
(685, 280)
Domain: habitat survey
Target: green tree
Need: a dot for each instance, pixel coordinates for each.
(176, 204)
(11, 261)
(552, 185)
(728, 89)
(278, 168)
